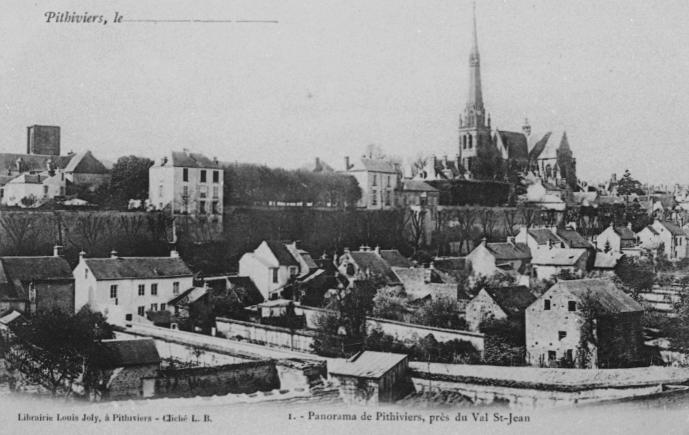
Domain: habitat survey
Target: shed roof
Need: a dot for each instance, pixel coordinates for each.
(368, 364)
(126, 353)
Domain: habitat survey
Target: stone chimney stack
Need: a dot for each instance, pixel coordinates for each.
(174, 253)
(526, 128)
(113, 254)
(347, 165)
(82, 254)
(57, 251)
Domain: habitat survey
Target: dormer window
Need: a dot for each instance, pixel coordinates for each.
(546, 304)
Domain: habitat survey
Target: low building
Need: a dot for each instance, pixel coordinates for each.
(667, 234)
(584, 323)
(371, 377)
(417, 193)
(32, 190)
(489, 259)
(124, 364)
(616, 239)
(548, 263)
(538, 237)
(33, 284)
(132, 286)
(498, 303)
(367, 263)
(274, 264)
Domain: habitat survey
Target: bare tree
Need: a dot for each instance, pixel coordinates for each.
(19, 230)
(415, 219)
(89, 228)
(510, 218)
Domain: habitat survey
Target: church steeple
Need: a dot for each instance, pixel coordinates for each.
(474, 112)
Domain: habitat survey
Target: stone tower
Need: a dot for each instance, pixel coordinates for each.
(474, 123)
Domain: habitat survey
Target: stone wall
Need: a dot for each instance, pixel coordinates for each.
(266, 334)
(126, 382)
(247, 377)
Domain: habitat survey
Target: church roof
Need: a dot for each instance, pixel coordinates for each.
(515, 143)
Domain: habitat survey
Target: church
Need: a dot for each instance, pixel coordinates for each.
(482, 148)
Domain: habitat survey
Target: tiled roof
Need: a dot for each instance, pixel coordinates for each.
(543, 236)
(370, 261)
(573, 239)
(182, 159)
(512, 300)
(137, 267)
(282, 253)
(374, 165)
(394, 258)
(368, 364)
(515, 143)
(673, 228)
(603, 294)
(625, 233)
(556, 256)
(125, 353)
(35, 269)
(508, 251)
(417, 186)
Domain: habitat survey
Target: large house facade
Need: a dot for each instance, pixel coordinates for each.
(187, 183)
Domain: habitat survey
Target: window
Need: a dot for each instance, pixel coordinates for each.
(45, 190)
(203, 175)
(202, 207)
(113, 291)
(552, 355)
(141, 311)
(185, 174)
(571, 306)
(471, 141)
(62, 191)
(128, 317)
(154, 289)
(561, 334)
(142, 289)
(387, 197)
(154, 307)
(86, 273)
(388, 181)
(215, 207)
(546, 304)
(2, 193)
(160, 191)
(185, 191)
(203, 191)
(215, 191)
(374, 197)
(375, 180)
(175, 288)
(162, 307)
(292, 270)
(275, 275)
(216, 176)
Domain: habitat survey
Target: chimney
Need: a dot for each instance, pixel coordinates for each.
(377, 249)
(113, 254)
(445, 161)
(347, 167)
(613, 178)
(526, 128)
(174, 253)
(82, 254)
(629, 226)
(57, 251)
(483, 241)
(510, 240)
(318, 163)
(346, 250)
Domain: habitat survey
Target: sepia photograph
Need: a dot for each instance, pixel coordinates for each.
(319, 216)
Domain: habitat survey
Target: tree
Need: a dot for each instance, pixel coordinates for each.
(439, 313)
(489, 164)
(389, 303)
(635, 273)
(505, 341)
(628, 185)
(415, 225)
(130, 177)
(56, 349)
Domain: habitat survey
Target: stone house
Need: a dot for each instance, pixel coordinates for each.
(378, 180)
(273, 265)
(371, 377)
(489, 259)
(188, 183)
(129, 286)
(669, 234)
(616, 239)
(498, 303)
(367, 263)
(548, 262)
(584, 323)
(124, 364)
(32, 284)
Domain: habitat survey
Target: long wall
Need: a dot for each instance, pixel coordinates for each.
(247, 377)
(266, 334)
(403, 331)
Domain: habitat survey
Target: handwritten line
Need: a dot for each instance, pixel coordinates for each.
(199, 21)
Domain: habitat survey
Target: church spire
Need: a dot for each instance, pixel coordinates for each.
(474, 112)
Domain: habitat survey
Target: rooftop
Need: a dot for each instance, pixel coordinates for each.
(512, 300)
(137, 267)
(368, 364)
(126, 353)
(604, 296)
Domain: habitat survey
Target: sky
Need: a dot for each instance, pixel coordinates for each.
(331, 77)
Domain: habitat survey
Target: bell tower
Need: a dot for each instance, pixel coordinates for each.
(474, 123)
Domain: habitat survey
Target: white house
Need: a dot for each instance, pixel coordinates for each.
(273, 264)
(189, 183)
(378, 179)
(548, 262)
(34, 188)
(538, 237)
(616, 239)
(488, 259)
(669, 234)
(130, 286)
